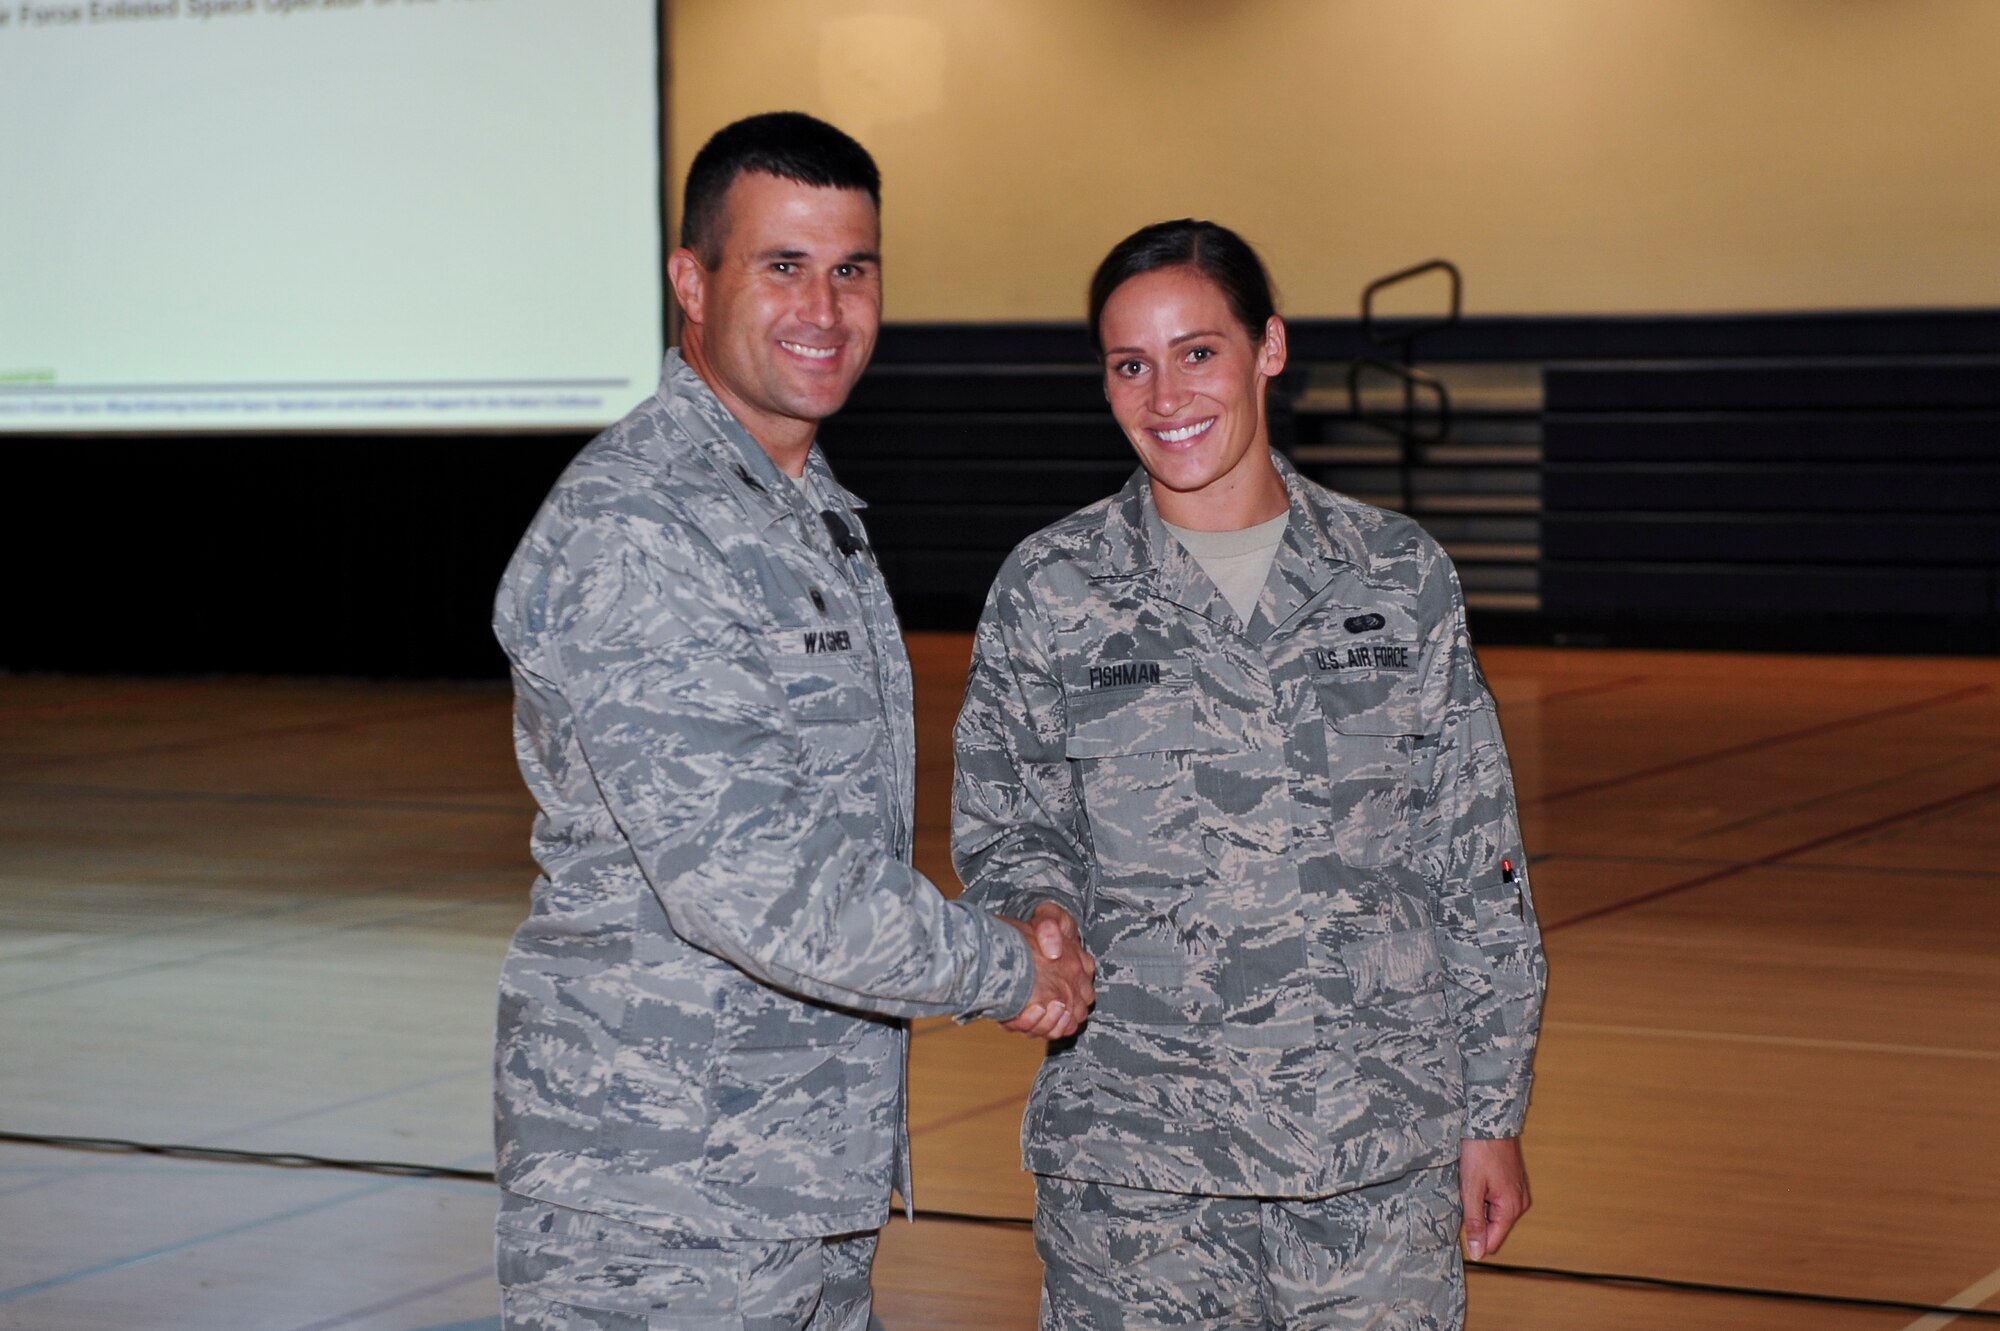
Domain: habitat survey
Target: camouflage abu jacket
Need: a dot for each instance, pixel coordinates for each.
(1291, 844)
(697, 1021)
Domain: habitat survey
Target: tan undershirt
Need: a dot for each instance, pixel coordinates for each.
(1238, 562)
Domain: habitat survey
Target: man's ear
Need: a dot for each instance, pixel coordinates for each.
(689, 281)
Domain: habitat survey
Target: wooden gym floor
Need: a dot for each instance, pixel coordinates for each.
(266, 915)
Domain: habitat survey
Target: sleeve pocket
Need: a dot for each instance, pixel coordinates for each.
(1501, 908)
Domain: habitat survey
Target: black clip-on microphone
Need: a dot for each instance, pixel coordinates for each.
(844, 539)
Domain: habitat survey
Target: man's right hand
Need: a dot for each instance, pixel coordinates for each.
(1064, 972)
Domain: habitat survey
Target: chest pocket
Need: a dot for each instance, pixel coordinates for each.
(825, 671)
(1372, 723)
(1134, 750)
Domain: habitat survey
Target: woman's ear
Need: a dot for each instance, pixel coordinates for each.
(1271, 353)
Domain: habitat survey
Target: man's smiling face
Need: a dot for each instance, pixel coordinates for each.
(784, 321)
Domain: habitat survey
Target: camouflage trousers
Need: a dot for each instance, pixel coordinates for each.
(564, 1270)
(1383, 1258)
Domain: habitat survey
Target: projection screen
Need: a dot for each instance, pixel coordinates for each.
(281, 215)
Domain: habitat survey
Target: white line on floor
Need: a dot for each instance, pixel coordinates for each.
(1967, 1298)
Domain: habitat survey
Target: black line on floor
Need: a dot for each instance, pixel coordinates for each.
(1757, 745)
(1853, 833)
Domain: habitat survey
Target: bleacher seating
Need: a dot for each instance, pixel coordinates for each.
(1828, 486)
(1766, 468)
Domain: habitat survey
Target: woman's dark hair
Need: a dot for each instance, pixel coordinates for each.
(1216, 252)
(788, 144)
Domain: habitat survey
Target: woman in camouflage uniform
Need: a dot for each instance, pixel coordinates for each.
(1231, 722)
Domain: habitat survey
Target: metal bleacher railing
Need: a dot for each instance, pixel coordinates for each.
(1455, 445)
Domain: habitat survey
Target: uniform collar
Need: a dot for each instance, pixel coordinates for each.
(766, 494)
(829, 487)
(1320, 541)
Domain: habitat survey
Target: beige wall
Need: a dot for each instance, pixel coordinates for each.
(1573, 156)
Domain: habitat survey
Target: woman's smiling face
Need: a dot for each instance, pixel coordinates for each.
(1186, 383)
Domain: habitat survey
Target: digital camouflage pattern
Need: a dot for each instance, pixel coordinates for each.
(1283, 840)
(1379, 1258)
(563, 1270)
(697, 1028)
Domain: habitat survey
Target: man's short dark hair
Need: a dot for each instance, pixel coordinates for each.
(788, 144)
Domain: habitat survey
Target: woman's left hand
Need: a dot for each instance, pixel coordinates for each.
(1493, 1181)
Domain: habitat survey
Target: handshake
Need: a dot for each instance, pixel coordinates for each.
(1064, 973)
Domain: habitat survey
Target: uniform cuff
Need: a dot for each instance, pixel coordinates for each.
(1006, 973)
(1496, 1097)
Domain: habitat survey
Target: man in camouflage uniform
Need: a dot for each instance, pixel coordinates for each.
(1293, 847)
(700, 1069)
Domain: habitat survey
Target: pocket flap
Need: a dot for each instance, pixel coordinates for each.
(1149, 987)
(851, 702)
(1154, 719)
(1394, 965)
(1151, 972)
(1370, 707)
(823, 672)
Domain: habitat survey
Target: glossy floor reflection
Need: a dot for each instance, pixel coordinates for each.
(267, 915)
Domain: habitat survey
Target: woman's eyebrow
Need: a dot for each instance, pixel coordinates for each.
(1172, 342)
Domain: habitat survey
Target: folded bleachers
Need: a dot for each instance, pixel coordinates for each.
(1782, 487)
